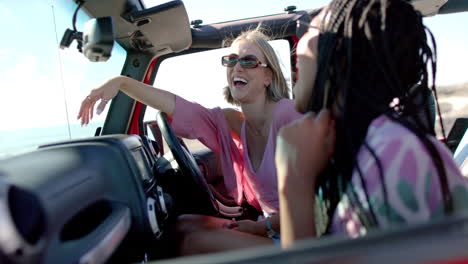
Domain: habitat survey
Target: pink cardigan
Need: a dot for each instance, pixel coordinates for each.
(260, 188)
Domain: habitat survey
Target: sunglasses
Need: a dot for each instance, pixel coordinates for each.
(247, 62)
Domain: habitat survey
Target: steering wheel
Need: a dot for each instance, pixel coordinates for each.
(186, 161)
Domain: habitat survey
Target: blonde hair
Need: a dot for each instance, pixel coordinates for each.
(278, 88)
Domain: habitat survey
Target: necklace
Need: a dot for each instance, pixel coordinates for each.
(255, 131)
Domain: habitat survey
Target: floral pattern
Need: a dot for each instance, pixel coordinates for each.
(411, 180)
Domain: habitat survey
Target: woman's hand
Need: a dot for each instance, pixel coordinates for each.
(247, 226)
(104, 93)
(304, 148)
(144, 93)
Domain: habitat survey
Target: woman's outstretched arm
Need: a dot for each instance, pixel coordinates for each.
(147, 94)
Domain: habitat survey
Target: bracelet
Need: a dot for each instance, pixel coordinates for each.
(271, 233)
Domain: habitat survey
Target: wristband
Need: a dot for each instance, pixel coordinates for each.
(270, 232)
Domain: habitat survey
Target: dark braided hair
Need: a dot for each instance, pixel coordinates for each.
(371, 52)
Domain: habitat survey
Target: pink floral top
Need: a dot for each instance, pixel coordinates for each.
(413, 188)
(259, 187)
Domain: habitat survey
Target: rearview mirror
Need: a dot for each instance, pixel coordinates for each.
(95, 42)
(98, 39)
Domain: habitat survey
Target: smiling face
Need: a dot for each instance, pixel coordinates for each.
(248, 84)
(307, 49)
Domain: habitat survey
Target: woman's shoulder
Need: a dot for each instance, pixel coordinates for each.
(399, 149)
(385, 130)
(409, 171)
(395, 147)
(233, 115)
(285, 111)
(285, 104)
(234, 118)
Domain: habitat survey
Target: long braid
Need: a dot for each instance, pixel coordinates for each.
(350, 30)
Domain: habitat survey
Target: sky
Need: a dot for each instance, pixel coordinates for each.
(34, 71)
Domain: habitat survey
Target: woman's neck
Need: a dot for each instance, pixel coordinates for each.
(258, 114)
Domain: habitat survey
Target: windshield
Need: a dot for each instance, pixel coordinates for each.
(42, 86)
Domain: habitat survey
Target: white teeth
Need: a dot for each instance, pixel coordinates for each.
(237, 79)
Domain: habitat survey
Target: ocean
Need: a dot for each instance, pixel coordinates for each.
(13, 142)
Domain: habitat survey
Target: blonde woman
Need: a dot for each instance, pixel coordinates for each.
(245, 140)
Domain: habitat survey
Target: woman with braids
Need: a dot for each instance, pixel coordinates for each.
(368, 159)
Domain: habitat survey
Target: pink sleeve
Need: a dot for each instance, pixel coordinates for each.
(193, 121)
(286, 113)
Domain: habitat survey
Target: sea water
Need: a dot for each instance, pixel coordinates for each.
(13, 142)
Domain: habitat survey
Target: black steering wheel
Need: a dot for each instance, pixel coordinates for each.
(186, 162)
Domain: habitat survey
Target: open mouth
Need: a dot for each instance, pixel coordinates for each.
(239, 82)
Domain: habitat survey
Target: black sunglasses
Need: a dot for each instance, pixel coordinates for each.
(249, 61)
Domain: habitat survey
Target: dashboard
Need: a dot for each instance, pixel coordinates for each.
(76, 201)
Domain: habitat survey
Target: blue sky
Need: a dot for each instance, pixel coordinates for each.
(42, 83)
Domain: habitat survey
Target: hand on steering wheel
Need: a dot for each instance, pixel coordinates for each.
(186, 161)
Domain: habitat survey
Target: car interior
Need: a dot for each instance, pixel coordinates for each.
(113, 197)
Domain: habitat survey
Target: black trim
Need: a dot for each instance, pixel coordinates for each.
(454, 6)
(118, 118)
(136, 15)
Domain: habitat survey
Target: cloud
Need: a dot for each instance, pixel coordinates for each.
(32, 95)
